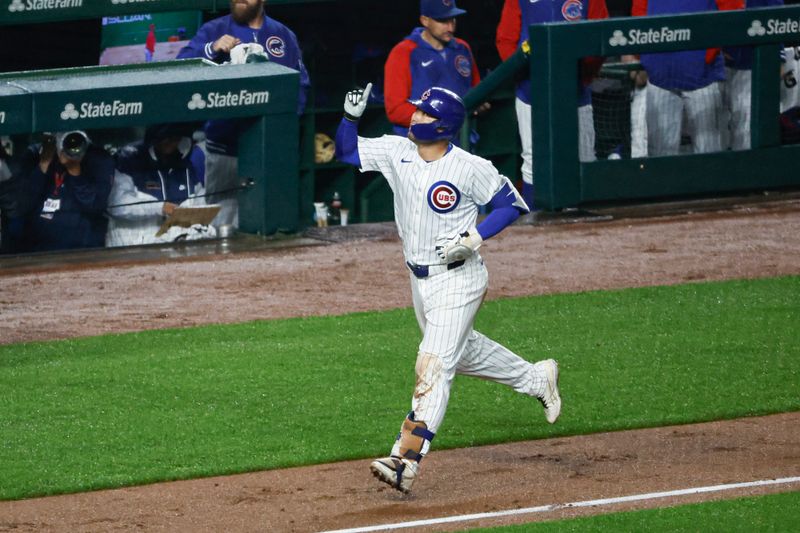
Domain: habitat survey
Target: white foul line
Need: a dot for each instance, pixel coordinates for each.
(555, 506)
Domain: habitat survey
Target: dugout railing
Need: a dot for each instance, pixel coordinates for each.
(562, 181)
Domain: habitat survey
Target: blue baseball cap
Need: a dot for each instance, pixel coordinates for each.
(439, 9)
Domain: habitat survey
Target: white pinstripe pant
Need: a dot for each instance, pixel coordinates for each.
(446, 305)
(586, 136)
(665, 110)
(736, 101)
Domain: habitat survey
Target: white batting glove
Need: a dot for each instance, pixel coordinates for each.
(460, 247)
(355, 102)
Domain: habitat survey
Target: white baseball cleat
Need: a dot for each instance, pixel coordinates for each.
(551, 398)
(395, 471)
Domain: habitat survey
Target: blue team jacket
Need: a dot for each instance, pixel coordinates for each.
(452, 67)
(278, 41)
(685, 70)
(551, 11)
(172, 181)
(79, 221)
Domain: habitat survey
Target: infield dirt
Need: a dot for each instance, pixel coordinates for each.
(746, 241)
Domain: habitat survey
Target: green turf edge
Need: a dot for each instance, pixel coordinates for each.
(770, 513)
(572, 326)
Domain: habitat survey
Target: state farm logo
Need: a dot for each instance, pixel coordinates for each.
(618, 39)
(756, 29)
(229, 99)
(664, 34)
(443, 197)
(17, 6)
(773, 27)
(69, 112)
(117, 108)
(196, 102)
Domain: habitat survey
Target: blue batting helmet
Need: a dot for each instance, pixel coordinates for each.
(448, 109)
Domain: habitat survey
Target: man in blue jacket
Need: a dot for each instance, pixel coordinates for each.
(65, 182)
(430, 55)
(246, 23)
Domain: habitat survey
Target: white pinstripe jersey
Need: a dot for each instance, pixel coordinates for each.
(431, 200)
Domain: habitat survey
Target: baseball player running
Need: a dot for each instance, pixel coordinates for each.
(437, 190)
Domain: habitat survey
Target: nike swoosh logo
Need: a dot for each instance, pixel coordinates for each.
(404, 161)
(426, 63)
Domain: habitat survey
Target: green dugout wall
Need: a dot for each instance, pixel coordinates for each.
(194, 90)
(562, 181)
(30, 11)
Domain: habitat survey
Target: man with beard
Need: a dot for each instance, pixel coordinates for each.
(247, 23)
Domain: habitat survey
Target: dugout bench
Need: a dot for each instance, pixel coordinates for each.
(192, 90)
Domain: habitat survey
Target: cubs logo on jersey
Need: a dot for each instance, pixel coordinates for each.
(572, 10)
(463, 65)
(443, 197)
(275, 46)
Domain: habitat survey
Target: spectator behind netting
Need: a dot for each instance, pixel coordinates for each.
(685, 82)
(430, 55)
(736, 89)
(512, 33)
(215, 40)
(63, 184)
(153, 177)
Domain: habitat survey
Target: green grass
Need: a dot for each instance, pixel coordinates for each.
(774, 512)
(135, 408)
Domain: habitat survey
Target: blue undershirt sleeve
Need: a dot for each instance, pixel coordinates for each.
(504, 213)
(347, 142)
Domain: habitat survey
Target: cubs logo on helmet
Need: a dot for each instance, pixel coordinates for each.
(275, 46)
(443, 197)
(463, 65)
(572, 10)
